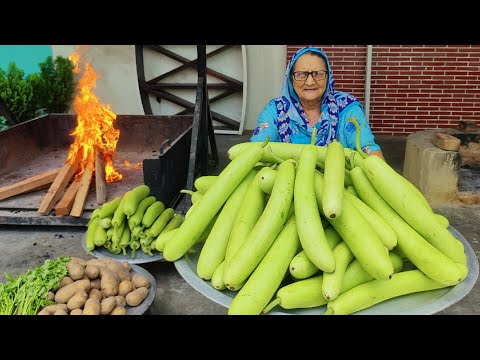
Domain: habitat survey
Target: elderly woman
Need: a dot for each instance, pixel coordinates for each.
(308, 99)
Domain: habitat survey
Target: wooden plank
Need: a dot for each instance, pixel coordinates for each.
(64, 206)
(34, 183)
(59, 184)
(77, 208)
(446, 141)
(100, 180)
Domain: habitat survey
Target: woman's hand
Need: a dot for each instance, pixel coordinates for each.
(378, 153)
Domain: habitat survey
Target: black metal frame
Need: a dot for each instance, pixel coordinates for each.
(202, 131)
(201, 158)
(159, 89)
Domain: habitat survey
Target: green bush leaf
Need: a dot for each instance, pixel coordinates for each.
(51, 91)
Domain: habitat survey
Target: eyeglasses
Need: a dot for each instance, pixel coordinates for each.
(303, 75)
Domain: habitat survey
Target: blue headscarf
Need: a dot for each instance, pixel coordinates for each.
(289, 107)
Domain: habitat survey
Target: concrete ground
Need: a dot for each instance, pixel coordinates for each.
(24, 247)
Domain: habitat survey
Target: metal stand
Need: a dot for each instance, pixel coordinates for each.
(202, 132)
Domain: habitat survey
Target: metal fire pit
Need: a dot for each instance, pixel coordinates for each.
(160, 143)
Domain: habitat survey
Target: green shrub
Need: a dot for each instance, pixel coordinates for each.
(3, 123)
(51, 91)
(54, 87)
(17, 93)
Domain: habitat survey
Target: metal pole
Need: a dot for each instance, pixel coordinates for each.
(368, 78)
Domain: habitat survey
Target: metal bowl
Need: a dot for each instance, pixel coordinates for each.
(152, 290)
(422, 303)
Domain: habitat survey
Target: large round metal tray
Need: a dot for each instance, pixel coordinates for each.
(422, 303)
(152, 290)
(140, 256)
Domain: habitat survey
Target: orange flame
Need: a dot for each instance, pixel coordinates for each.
(94, 131)
(138, 165)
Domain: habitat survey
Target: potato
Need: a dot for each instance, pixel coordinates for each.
(78, 260)
(76, 312)
(119, 310)
(108, 283)
(60, 312)
(125, 287)
(43, 312)
(126, 265)
(65, 281)
(136, 296)
(103, 262)
(77, 301)
(75, 271)
(107, 305)
(92, 307)
(65, 293)
(140, 280)
(119, 270)
(50, 309)
(95, 284)
(120, 300)
(92, 272)
(51, 296)
(95, 294)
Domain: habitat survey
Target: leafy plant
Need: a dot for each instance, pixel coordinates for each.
(50, 91)
(3, 123)
(17, 93)
(54, 87)
(27, 293)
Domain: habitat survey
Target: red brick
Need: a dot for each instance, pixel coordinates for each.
(433, 80)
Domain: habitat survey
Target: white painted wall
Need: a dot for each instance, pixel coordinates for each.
(266, 66)
(117, 84)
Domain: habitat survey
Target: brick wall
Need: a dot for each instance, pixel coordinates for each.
(412, 87)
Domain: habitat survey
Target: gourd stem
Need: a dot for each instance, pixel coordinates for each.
(274, 156)
(265, 142)
(357, 137)
(351, 160)
(314, 136)
(271, 306)
(295, 162)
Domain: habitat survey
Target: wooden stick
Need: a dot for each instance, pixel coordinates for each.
(30, 184)
(56, 189)
(65, 204)
(100, 180)
(81, 197)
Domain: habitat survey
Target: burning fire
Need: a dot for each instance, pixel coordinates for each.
(138, 165)
(94, 131)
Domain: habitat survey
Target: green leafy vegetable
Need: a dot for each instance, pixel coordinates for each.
(27, 293)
